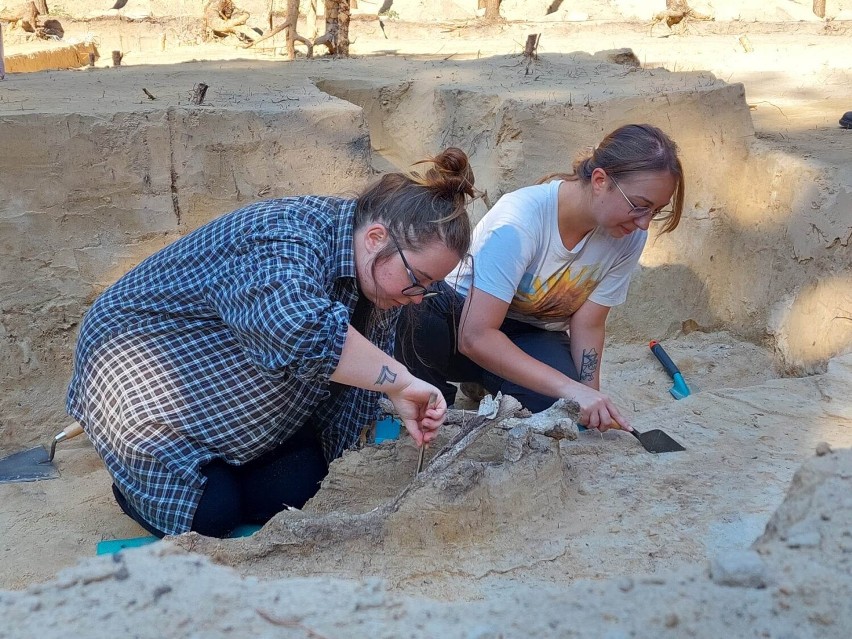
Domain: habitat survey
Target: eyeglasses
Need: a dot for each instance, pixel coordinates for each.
(416, 289)
(642, 211)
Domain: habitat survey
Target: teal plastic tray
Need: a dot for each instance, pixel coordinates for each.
(111, 546)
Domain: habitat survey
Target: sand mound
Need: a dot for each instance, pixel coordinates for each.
(796, 582)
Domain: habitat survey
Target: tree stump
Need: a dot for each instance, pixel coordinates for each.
(336, 36)
(531, 48)
(198, 93)
(343, 17)
(492, 9)
(677, 12)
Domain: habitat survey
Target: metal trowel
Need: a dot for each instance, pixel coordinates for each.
(36, 463)
(656, 441)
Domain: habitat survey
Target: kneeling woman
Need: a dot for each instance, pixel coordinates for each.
(219, 377)
(549, 261)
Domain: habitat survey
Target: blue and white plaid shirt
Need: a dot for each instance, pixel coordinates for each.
(221, 346)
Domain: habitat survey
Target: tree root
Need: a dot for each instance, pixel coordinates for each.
(223, 18)
(289, 25)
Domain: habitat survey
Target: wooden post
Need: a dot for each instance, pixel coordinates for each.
(2, 64)
(819, 8)
(531, 48)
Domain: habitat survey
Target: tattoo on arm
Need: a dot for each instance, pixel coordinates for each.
(589, 366)
(385, 376)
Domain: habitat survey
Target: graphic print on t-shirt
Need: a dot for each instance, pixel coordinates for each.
(557, 297)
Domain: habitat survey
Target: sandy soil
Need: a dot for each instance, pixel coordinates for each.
(601, 508)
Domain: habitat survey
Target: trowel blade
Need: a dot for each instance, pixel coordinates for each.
(28, 465)
(656, 441)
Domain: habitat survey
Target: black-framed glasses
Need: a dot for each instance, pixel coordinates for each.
(643, 211)
(416, 289)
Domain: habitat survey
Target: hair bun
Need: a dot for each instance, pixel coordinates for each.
(452, 174)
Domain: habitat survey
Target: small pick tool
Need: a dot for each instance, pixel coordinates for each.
(433, 399)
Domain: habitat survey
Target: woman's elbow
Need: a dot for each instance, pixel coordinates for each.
(467, 343)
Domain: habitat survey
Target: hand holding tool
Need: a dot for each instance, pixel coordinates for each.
(654, 441)
(433, 400)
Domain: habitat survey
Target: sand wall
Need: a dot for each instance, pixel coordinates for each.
(84, 197)
(70, 56)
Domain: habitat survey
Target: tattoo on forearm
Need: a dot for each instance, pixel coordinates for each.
(589, 366)
(385, 376)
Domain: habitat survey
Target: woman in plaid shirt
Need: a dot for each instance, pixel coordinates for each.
(219, 377)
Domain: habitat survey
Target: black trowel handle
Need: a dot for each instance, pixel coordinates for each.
(665, 360)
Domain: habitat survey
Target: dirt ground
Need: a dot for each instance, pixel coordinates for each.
(598, 508)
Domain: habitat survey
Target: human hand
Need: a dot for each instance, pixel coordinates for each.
(422, 409)
(597, 410)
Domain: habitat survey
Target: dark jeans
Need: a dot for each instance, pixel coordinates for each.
(426, 342)
(254, 492)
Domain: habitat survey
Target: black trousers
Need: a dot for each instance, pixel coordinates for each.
(254, 492)
(426, 342)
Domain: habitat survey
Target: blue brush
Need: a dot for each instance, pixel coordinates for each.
(387, 428)
(679, 390)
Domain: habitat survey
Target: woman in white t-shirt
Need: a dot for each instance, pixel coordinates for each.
(527, 314)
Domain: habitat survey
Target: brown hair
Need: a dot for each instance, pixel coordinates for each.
(420, 209)
(632, 148)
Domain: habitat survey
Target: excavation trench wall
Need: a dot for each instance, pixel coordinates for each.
(92, 184)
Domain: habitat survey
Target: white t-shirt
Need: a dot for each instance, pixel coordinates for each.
(519, 257)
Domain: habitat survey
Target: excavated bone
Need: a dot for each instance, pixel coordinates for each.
(558, 422)
(297, 529)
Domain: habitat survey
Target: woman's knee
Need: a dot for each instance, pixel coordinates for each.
(220, 509)
(288, 476)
